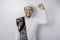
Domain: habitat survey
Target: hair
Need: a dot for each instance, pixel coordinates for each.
(28, 6)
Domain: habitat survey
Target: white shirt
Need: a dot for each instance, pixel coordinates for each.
(31, 24)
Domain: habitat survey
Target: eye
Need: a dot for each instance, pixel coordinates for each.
(31, 9)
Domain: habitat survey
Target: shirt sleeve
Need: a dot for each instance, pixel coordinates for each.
(17, 36)
(43, 19)
(18, 23)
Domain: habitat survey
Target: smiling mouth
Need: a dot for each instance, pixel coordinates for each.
(28, 16)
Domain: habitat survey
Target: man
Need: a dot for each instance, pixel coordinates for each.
(27, 25)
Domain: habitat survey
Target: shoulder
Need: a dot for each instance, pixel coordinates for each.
(19, 18)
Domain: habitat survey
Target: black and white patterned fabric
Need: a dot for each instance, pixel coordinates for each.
(21, 28)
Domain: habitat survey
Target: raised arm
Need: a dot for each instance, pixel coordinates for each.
(44, 17)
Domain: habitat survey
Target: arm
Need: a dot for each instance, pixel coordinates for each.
(18, 23)
(43, 19)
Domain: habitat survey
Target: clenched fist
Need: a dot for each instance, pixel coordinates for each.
(41, 6)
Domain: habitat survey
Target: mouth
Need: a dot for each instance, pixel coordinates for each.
(28, 16)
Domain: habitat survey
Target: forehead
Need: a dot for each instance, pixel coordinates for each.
(28, 7)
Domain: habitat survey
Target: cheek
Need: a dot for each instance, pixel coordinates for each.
(26, 12)
(31, 12)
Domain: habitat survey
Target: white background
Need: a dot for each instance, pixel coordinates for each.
(11, 9)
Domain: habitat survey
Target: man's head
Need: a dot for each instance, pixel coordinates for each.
(28, 11)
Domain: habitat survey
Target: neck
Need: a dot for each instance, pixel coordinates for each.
(28, 16)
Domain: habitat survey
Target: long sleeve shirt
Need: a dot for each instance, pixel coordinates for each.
(32, 23)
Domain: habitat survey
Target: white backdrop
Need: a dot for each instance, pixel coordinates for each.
(11, 9)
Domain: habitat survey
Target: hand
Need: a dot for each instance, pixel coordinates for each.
(41, 6)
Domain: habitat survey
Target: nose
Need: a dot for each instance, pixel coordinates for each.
(28, 11)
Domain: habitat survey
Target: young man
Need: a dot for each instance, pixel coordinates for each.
(27, 25)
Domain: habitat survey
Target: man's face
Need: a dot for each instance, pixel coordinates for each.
(28, 11)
